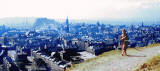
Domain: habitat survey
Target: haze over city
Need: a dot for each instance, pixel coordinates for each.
(124, 10)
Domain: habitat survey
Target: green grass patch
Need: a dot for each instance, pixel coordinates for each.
(93, 61)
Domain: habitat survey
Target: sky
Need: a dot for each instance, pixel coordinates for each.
(82, 9)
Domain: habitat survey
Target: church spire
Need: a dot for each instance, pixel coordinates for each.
(67, 25)
(142, 23)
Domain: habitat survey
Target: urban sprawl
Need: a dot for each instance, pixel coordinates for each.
(52, 46)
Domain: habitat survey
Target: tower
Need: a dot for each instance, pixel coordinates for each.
(142, 24)
(67, 25)
(132, 27)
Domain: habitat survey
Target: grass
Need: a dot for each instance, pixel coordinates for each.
(152, 45)
(94, 61)
(151, 65)
(105, 57)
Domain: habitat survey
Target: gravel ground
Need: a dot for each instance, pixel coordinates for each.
(116, 62)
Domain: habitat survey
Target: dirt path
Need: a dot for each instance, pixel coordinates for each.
(116, 62)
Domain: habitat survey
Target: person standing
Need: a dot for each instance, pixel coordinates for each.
(124, 38)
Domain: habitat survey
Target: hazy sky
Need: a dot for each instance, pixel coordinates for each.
(82, 9)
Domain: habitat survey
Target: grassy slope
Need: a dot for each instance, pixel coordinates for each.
(105, 57)
(153, 64)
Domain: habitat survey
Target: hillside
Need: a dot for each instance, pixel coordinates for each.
(151, 65)
(113, 61)
(18, 22)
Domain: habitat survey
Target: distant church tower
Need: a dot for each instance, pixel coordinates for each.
(142, 24)
(67, 25)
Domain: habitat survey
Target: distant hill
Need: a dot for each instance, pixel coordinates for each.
(29, 23)
(45, 24)
(18, 22)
